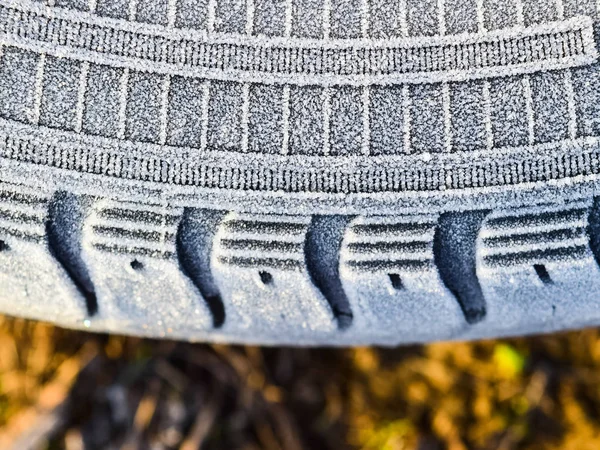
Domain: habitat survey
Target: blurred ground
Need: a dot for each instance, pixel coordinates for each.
(62, 389)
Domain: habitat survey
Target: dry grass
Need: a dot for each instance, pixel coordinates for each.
(62, 389)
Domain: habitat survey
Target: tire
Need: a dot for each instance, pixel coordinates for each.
(312, 173)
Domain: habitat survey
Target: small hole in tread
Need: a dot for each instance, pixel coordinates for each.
(396, 281)
(265, 277)
(543, 274)
(136, 265)
(4, 247)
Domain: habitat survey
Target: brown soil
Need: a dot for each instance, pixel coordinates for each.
(62, 389)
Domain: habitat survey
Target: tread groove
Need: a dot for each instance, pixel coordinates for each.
(322, 252)
(454, 251)
(194, 242)
(63, 229)
(593, 229)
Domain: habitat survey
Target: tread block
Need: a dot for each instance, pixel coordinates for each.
(81, 5)
(509, 112)
(18, 70)
(306, 120)
(536, 11)
(460, 16)
(230, 16)
(184, 126)
(225, 115)
(192, 14)
(537, 270)
(269, 17)
(259, 266)
(468, 116)
(387, 120)
(143, 108)
(499, 15)
(428, 133)
(152, 11)
(59, 95)
(391, 281)
(102, 100)
(265, 119)
(117, 9)
(345, 18)
(586, 87)
(385, 18)
(307, 18)
(550, 106)
(130, 251)
(32, 282)
(422, 17)
(345, 137)
(574, 8)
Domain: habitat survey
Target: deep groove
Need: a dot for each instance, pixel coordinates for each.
(322, 253)
(194, 242)
(542, 273)
(4, 247)
(593, 229)
(396, 281)
(63, 228)
(454, 250)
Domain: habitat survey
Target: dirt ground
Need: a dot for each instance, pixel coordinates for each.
(62, 389)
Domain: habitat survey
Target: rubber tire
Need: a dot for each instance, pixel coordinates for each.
(308, 173)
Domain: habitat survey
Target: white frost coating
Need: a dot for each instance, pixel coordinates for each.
(288, 21)
(249, 27)
(245, 119)
(529, 110)
(171, 13)
(211, 16)
(326, 18)
(286, 120)
(123, 96)
(368, 61)
(560, 9)
(326, 120)
(402, 22)
(81, 90)
(519, 12)
(480, 16)
(406, 112)
(39, 85)
(366, 121)
(164, 109)
(132, 9)
(571, 105)
(204, 122)
(487, 106)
